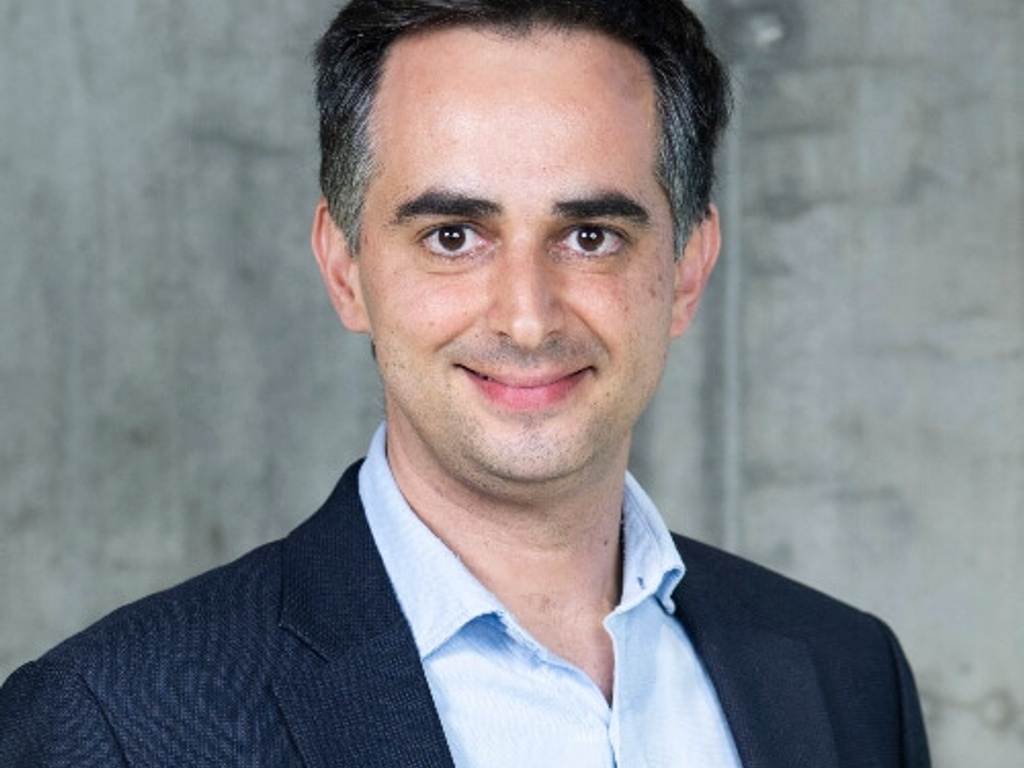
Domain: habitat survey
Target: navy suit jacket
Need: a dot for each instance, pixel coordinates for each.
(298, 654)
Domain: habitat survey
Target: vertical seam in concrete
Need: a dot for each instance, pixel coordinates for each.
(78, 289)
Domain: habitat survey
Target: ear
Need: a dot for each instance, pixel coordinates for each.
(339, 269)
(694, 268)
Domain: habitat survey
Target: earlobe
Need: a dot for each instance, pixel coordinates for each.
(694, 269)
(340, 271)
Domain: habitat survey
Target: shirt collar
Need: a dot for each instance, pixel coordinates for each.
(652, 565)
(437, 592)
(439, 595)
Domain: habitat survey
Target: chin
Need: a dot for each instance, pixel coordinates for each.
(533, 459)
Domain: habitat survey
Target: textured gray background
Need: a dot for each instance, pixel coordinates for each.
(174, 388)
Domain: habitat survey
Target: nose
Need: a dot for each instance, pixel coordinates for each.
(526, 305)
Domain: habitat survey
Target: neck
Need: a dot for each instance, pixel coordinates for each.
(563, 533)
(553, 559)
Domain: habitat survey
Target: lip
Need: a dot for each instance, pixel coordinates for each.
(526, 391)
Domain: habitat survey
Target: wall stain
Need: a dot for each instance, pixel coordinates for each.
(215, 539)
(998, 710)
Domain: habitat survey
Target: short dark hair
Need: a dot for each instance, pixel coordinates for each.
(690, 82)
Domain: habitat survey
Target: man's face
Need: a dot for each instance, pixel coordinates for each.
(516, 269)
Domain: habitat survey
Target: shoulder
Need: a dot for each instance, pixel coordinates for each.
(758, 630)
(169, 658)
(728, 595)
(222, 619)
(228, 618)
(239, 599)
(751, 593)
(234, 609)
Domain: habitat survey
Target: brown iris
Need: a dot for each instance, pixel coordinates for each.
(451, 238)
(590, 238)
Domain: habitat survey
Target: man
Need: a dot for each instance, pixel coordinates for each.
(516, 210)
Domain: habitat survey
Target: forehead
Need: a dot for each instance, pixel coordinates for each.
(509, 53)
(522, 96)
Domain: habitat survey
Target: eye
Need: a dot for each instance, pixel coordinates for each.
(591, 240)
(452, 240)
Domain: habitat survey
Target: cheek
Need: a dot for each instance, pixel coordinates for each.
(411, 310)
(649, 317)
(445, 304)
(635, 306)
(651, 300)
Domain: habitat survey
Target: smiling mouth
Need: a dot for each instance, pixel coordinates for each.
(521, 392)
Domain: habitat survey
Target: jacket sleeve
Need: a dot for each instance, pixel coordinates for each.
(49, 718)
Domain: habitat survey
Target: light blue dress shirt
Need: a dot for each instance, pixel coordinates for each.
(504, 700)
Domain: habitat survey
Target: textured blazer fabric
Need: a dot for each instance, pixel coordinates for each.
(298, 655)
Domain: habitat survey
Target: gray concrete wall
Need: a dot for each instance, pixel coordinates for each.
(174, 388)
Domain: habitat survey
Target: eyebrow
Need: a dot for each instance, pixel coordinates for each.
(434, 202)
(441, 203)
(614, 205)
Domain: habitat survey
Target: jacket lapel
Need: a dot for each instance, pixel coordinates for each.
(367, 708)
(766, 682)
(354, 691)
